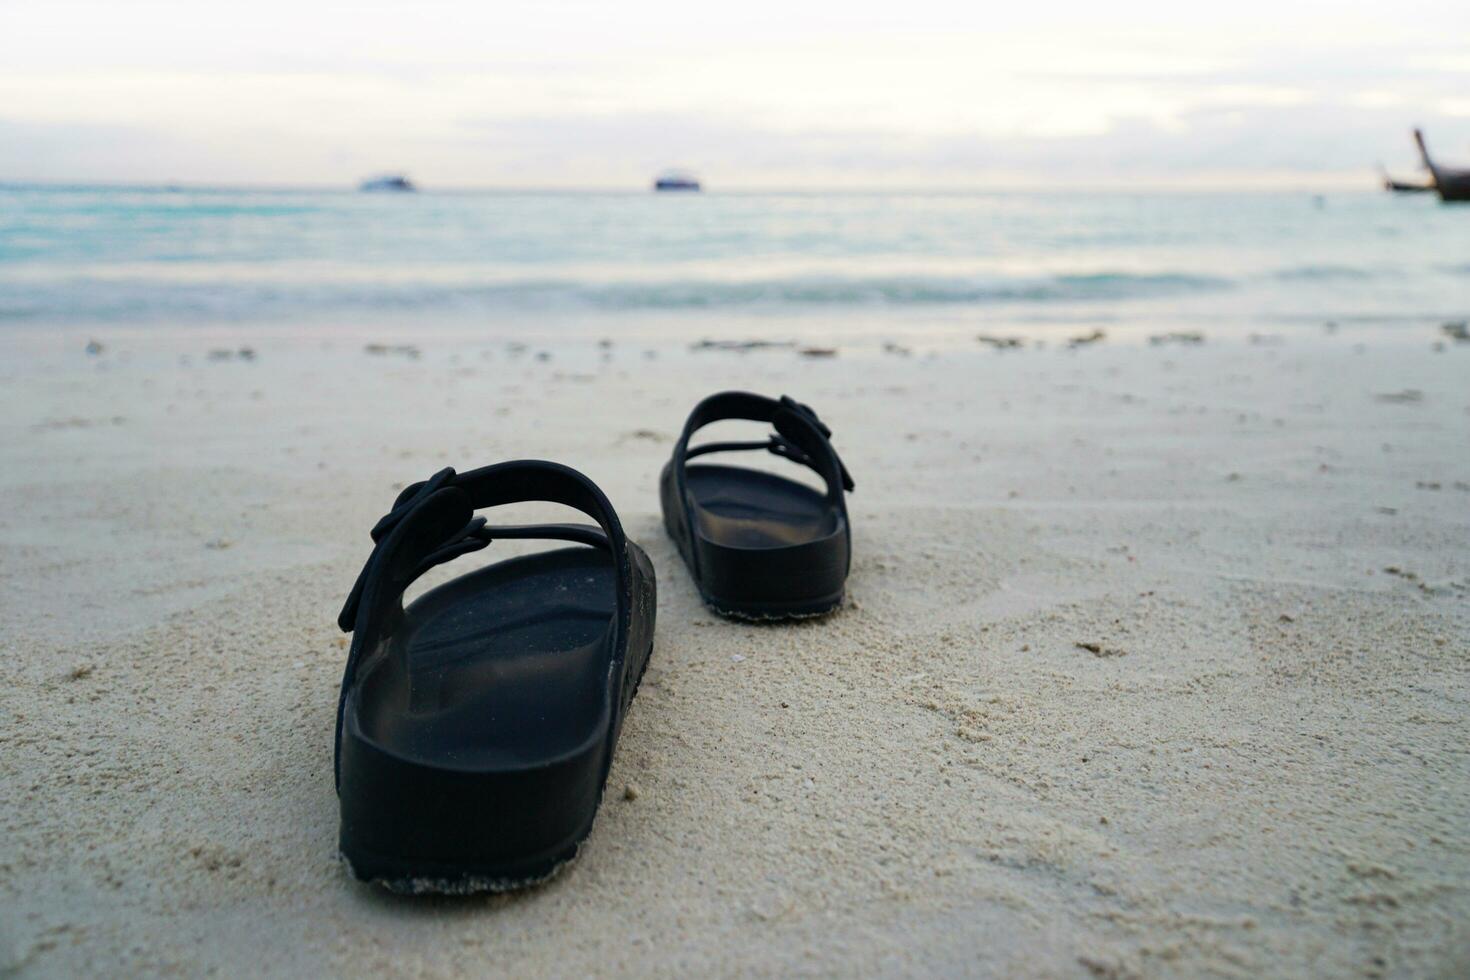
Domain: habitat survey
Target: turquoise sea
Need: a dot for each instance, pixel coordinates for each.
(938, 263)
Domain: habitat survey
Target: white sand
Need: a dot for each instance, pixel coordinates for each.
(1271, 775)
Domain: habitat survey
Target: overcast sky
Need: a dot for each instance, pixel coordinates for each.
(751, 93)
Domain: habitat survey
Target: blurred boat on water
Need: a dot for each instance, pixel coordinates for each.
(387, 182)
(1453, 183)
(1404, 186)
(676, 180)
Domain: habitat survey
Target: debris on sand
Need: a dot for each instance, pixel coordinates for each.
(999, 343)
(75, 422)
(1458, 330)
(1082, 340)
(94, 347)
(221, 353)
(1098, 650)
(1187, 337)
(1409, 396)
(818, 351)
(403, 350)
(741, 346)
(647, 435)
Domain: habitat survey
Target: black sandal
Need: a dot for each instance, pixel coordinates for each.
(476, 727)
(760, 546)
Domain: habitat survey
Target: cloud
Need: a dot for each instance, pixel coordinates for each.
(91, 151)
(763, 93)
(1335, 141)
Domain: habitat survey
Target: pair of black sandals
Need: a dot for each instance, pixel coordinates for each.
(476, 726)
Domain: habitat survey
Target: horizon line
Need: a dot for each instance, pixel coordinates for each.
(1368, 179)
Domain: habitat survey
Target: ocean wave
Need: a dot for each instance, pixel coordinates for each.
(120, 299)
(1323, 273)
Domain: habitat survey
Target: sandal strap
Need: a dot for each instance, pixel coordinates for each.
(801, 436)
(491, 486)
(477, 534)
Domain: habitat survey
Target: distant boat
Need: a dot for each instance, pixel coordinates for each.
(387, 182)
(1452, 184)
(1404, 186)
(676, 180)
